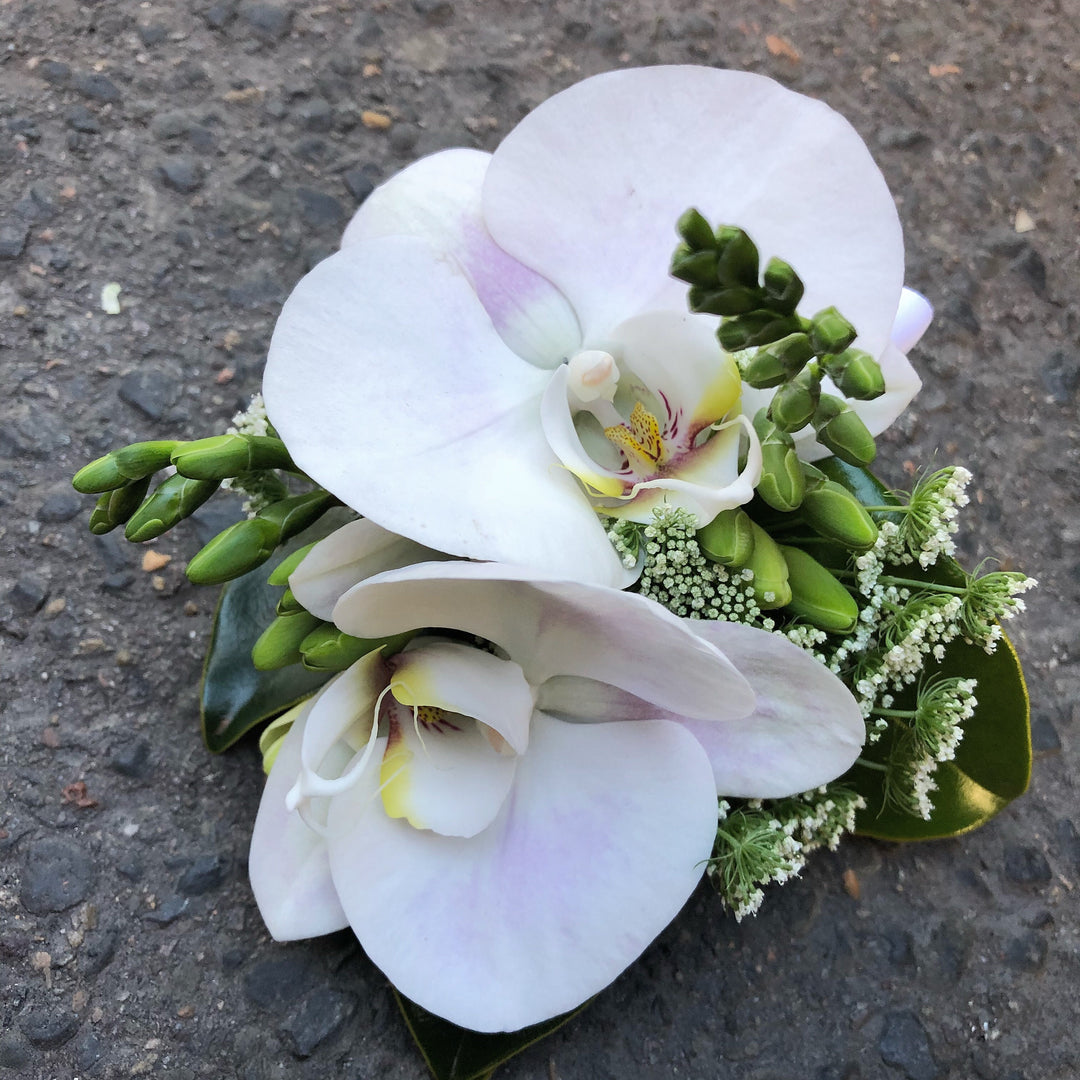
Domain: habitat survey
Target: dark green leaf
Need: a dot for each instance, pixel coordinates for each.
(993, 761)
(455, 1053)
(235, 696)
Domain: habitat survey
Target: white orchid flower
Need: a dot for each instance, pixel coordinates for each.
(497, 354)
(507, 827)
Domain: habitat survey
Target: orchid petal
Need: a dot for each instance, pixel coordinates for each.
(463, 679)
(617, 158)
(438, 199)
(565, 441)
(288, 864)
(343, 714)
(447, 778)
(428, 425)
(913, 316)
(806, 730)
(348, 555)
(602, 841)
(578, 699)
(555, 627)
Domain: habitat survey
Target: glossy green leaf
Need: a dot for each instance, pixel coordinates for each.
(455, 1053)
(993, 761)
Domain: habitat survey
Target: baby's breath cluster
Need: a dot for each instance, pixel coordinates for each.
(677, 575)
(990, 600)
(923, 738)
(252, 420)
(752, 850)
(760, 842)
(262, 487)
(930, 517)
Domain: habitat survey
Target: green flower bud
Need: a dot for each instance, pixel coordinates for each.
(774, 364)
(279, 644)
(782, 482)
(128, 463)
(834, 512)
(696, 231)
(795, 402)
(695, 267)
(294, 514)
(733, 300)
(327, 648)
(238, 549)
(728, 539)
(225, 456)
(280, 574)
(115, 507)
(817, 596)
(737, 257)
(857, 374)
(830, 332)
(770, 584)
(288, 604)
(783, 287)
(174, 499)
(757, 328)
(843, 432)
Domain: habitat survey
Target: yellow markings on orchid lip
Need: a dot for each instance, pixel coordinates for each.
(639, 440)
(598, 485)
(721, 394)
(416, 691)
(395, 782)
(646, 429)
(429, 715)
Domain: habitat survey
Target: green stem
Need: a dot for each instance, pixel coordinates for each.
(875, 765)
(903, 714)
(888, 579)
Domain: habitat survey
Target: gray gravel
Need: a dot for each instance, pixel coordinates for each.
(203, 156)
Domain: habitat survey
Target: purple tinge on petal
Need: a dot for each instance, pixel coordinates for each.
(596, 849)
(529, 313)
(437, 200)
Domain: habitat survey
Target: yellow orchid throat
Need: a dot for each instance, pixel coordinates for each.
(639, 440)
(394, 780)
(655, 443)
(394, 773)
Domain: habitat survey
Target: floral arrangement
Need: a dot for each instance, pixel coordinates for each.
(564, 581)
